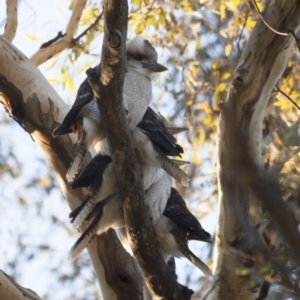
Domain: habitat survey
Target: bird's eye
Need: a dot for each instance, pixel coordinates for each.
(138, 57)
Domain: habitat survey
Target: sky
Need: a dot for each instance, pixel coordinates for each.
(40, 21)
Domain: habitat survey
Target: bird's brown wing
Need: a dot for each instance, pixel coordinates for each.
(177, 211)
(154, 126)
(84, 96)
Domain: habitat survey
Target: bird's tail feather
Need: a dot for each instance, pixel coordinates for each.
(84, 240)
(172, 168)
(198, 263)
(180, 162)
(84, 212)
(73, 214)
(76, 164)
(176, 130)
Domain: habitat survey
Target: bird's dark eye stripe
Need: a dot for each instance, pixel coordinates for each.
(138, 57)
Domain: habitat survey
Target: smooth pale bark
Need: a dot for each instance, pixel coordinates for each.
(11, 19)
(261, 65)
(159, 279)
(10, 290)
(46, 53)
(34, 104)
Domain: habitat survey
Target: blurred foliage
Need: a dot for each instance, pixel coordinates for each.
(200, 42)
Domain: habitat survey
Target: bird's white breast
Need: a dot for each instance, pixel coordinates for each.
(137, 95)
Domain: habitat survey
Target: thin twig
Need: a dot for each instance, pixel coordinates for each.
(50, 42)
(289, 31)
(277, 89)
(44, 54)
(264, 21)
(74, 41)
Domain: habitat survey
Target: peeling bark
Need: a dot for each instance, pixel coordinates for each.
(261, 65)
(34, 104)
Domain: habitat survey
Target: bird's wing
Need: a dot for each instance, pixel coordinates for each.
(88, 235)
(73, 214)
(177, 211)
(153, 125)
(93, 171)
(84, 96)
(92, 176)
(197, 262)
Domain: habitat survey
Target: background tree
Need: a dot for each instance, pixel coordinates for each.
(201, 44)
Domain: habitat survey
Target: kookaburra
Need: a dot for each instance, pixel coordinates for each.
(173, 230)
(173, 224)
(99, 176)
(84, 118)
(108, 213)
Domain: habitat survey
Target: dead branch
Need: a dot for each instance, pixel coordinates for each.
(43, 54)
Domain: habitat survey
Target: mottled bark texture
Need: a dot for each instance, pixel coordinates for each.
(108, 92)
(242, 184)
(35, 105)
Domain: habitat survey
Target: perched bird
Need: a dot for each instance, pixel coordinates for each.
(173, 230)
(153, 141)
(84, 118)
(108, 213)
(153, 153)
(155, 126)
(100, 177)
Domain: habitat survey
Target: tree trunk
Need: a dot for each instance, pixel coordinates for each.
(261, 65)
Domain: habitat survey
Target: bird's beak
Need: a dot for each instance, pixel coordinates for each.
(153, 66)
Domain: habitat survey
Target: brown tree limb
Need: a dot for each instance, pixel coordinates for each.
(11, 20)
(43, 54)
(261, 65)
(108, 91)
(30, 99)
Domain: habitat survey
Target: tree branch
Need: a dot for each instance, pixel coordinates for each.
(261, 65)
(10, 290)
(28, 97)
(158, 278)
(75, 40)
(43, 54)
(11, 20)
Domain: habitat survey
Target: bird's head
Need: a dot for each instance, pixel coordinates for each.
(142, 55)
